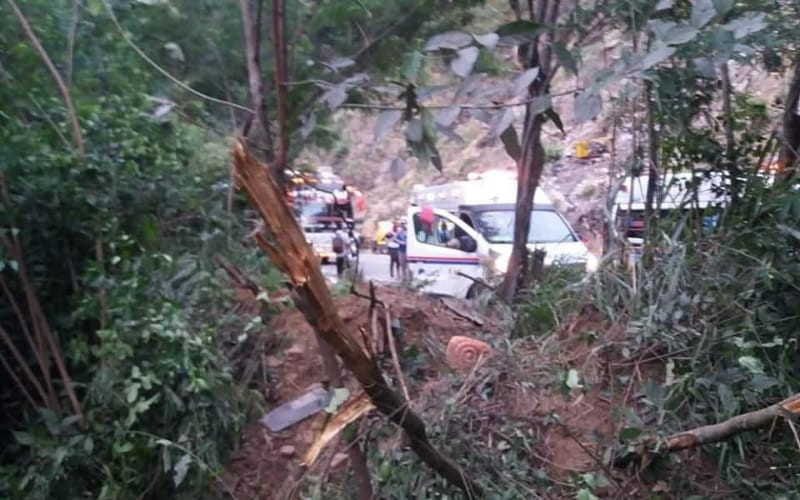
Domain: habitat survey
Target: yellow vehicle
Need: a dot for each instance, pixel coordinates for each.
(379, 242)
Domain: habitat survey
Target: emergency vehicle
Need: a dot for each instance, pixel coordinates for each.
(464, 230)
(322, 203)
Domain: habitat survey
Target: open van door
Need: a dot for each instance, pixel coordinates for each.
(444, 252)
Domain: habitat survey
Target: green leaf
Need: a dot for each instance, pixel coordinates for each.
(435, 157)
(446, 117)
(511, 144)
(566, 58)
(702, 12)
(463, 64)
(174, 50)
(88, 445)
(488, 40)
(13, 264)
(747, 24)
(397, 169)
(657, 56)
(23, 438)
(573, 380)
(414, 130)
(335, 96)
(728, 400)
(523, 81)
(722, 7)
(664, 4)
(753, 364)
(585, 494)
(452, 40)
(655, 393)
(501, 121)
(122, 448)
(339, 396)
(705, 67)
(556, 119)
(386, 122)
(180, 469)
(629, 433)
(587, 106)
(519, 32)
(541, 104)
(340, 62)
(132, 392)
(679, 35)
(412, 66)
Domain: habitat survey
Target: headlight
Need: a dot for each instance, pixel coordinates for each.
(592, 263)
(501, 263)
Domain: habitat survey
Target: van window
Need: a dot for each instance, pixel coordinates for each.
(443, 233)
(547, 226)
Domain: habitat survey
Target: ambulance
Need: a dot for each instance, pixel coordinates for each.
(463, 230)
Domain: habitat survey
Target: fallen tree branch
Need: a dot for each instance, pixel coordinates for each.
(714, 433)
(395, 357)
(290, 253)
(453, 307)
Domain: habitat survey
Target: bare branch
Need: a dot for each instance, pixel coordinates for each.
(62, 87)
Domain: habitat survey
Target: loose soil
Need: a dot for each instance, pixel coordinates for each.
(572, 429)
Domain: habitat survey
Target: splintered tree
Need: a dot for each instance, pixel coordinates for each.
(287, 249)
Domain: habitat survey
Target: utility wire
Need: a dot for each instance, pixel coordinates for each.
(165, 72)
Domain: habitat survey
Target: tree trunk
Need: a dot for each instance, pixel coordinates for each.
(531, 161)
(280, 74)
(529, 171)
(256, 83)
(291, 254)
(652, 174)
(789, 154)
(730, 142)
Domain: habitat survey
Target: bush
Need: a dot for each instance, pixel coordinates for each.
(119, 246)
(720, 309)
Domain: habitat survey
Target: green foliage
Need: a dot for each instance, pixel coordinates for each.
(553, 297)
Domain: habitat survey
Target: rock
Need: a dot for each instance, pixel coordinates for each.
(338, 460)
(295, 353)
(287, 451)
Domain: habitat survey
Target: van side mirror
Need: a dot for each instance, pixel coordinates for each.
(468, 244)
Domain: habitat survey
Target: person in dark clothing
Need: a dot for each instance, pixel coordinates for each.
(394, 254)
(340, 249)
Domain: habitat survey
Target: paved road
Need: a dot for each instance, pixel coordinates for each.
(373, 266)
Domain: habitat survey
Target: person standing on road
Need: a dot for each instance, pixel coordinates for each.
(402, 238)
(394, 258)
(340, 249)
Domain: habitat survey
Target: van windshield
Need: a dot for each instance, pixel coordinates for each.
(497, 226)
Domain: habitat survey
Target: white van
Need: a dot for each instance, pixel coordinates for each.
(472, 233)
(673, 194)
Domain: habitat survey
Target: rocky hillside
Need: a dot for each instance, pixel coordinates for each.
(386, 172)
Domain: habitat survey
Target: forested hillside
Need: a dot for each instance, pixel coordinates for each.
(144, 331)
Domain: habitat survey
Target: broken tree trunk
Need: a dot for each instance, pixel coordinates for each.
(289, 252)
(713, 433)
